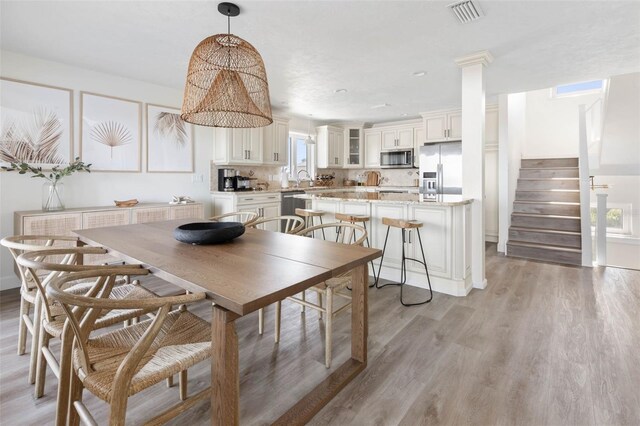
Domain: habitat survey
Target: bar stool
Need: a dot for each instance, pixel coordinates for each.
(308, 215)
(404, 226)
(358, 219)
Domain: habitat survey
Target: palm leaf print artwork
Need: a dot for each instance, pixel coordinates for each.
(172, 127)
(34, 140)
(111, 134)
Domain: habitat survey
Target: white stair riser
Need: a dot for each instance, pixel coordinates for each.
(540, 253)
(547, 238)
(570, 197)
(525, 184)
(558, 224)
(543, 208)
(549, 163)
(549, 173)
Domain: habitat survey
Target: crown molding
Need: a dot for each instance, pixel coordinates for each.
(484, 57)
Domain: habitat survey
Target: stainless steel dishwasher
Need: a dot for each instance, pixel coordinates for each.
(290, 204)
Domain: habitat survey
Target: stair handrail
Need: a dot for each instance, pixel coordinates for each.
(585, 187)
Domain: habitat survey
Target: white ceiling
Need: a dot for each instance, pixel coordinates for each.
(311, 48)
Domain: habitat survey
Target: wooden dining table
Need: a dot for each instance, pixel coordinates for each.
(239, 277)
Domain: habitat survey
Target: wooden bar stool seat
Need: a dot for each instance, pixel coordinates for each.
(406, 227)
(309, 215)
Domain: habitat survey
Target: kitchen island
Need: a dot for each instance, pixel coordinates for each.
(445, 233)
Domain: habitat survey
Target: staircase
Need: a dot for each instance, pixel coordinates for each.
(545, 223)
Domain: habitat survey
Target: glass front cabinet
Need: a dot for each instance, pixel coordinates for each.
(354, 148)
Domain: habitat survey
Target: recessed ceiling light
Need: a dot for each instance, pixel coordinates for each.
(405, 114)
(384, 105)
(340, 91)
(419, 73)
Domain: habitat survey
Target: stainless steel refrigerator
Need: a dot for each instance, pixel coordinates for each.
(441, 168)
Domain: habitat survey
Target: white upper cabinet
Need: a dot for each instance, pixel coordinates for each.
(435, 128)
(443, 126)
(447, 125)
(330, 147)
(397, 137)
(276, 137)
(454, 126)
(372, 147)
(237, 146)
(353, 148)
(420, 138)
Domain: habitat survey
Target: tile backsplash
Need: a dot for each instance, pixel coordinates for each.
(390, 177)
(261, 173)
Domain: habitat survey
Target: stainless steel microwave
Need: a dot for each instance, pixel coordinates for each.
(396, 158)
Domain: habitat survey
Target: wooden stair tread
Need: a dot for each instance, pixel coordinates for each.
(544, 246)
(546, 231)
(550, 168)
(551, 203)
(549, 216)
(549, 178)
(548, 190)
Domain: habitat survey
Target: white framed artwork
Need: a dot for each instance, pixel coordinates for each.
(36, 124)
(110, 133)
(169, 141)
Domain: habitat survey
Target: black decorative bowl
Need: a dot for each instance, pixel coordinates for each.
(208, 232)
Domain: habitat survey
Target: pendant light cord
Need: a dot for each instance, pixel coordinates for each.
(228, 39)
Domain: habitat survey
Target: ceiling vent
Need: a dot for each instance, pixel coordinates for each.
(466, 11)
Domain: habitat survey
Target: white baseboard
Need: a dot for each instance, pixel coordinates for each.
(438, 284)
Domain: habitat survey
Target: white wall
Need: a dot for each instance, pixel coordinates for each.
(620, 153)
(20, 192)
(514, 128)
(552, 124)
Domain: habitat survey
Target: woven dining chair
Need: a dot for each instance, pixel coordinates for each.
(246, 218)
(118, 364)
(287, 224)
(17, 245)
(346, 233)
(49, 318)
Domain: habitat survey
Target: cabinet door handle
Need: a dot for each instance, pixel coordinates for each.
(277, 156)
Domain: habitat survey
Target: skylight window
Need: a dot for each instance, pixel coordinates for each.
(581, 88)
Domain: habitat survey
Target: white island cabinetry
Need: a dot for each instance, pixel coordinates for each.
(445, 236)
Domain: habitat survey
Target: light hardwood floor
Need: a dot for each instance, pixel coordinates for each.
(543, 344)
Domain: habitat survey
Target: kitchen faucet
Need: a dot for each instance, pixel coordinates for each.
(298, 178)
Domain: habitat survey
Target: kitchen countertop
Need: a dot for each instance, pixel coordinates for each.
(326, 189)
(391, 198)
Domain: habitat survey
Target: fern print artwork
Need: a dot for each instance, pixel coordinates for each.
(34, 140)
(169, 141)
(171, 128)
(36, 124)
(111, 134)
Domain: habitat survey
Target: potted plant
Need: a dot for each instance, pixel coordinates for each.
(53, 188)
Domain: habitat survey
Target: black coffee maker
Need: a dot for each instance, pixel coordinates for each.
(227, 180)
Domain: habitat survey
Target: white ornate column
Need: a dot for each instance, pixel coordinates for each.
(473, 121)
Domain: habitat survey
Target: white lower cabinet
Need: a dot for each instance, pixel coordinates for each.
(393, 252)
(266, 205)
(436, 225)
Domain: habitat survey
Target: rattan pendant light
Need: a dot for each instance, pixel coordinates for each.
(226, 82)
